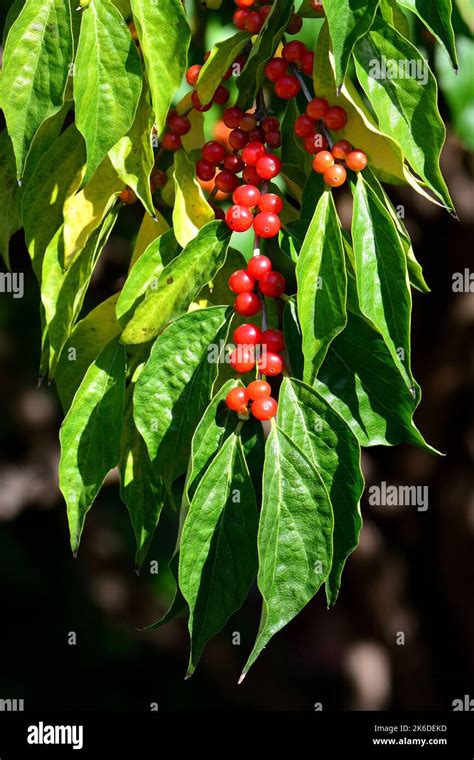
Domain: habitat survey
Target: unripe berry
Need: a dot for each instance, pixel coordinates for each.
(171, 141)
(304, 126)
(356, 160)
(232, 117)
(205, 171)
(192, 74)
(322, 161)
(258, 389)
(314, 143)
(270, 363)
(241, 281)
(237, 399)
(264, 408)
(317, 108)
(335, 176)
(268, 166)
(272, 284)
(253, 152)
(259, 265)
(247, 304)
(247, 335)
(270, 202)
(180, 125)
(335, 119)
(239, 218)
(242, 359)
(294, 51)
(213, 152)
(341, 149)
(226, 182)
(266, 224)
(238, 139)
(275, 68)
(273, 340)
(295, 25)
(287, 87)
(234, 163)
(307, 64)
(273, 139)
(246, 195)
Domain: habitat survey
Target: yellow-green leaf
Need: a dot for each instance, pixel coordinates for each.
(191, 210)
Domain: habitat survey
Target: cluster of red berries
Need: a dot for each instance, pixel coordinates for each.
(266, 222)
(252, 20)
(257, 395)
(295, 54)
(244, 281)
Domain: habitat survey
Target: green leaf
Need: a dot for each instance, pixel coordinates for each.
(406, 106)
(313, 189)
(436, 15)
(145, 274)
(107, 80)
(179, 603)
(57, 175)
(335, 452)
(83, 347)
(361, 382)
(393, 14)
(265, 47)
(150, 229)
(179, 283)
(164, 37)
(36, 60)
(458, 89)
(218, 550)
(294, 537)
(322, 285)
(218, 292)
(133, 156)
(348, 21)
(10, 211)
(293, 339)
(191, 211)
(90, 436)
(381, 274)
(140, 486)
(219, 62)
(175, 387)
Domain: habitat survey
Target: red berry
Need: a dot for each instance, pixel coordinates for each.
(158, 179)
(252, 152)
(180, 125)
(257, 135)
(233, 163)
(197, 103)
(336, 118)
(247, 122)
(271, 124)
(247, 304)
(192, 74)
(275, 68)
(247, 335)
(273, 340)
(270, 202)
(205, 171)
(241, 281)
(317, 5)
(237, 399)
(322, 161)
(272, 284)
(247, 195)
(213, 152)
(270, 363)
(287, 87)
(128, 196)
(335, 176)
(266, 224)
(242, 358)
(307, 64)
(268, 166)
(171, 141)
(317, 108)
(238, 139)
(240, 17)
(226, 182)
(265, 10)
(304, 126)
(244, 3)
(221, 95)
(264, 408)
(254, 22)
(295, 25)
(258, 389)
(219, 213)
(356, 160)
(341, 149)
(273, 139)
(294, 51)
(239, 218)
(250, 176)
(232, 117)
(259, 265)
(314, 143)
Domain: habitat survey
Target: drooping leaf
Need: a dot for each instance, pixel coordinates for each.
(179, 283)
(10, 210)
(36, 60)
(294, 537)
(436, 15)
(178, 604)
(218, 551)
(175, 387)
(90, 435)
(107, 80)
(348, 21)
(164, 37)
(322, 285)
(405, 102)
(219, 62)
(335, 452)
(191, 210)
(83, 347)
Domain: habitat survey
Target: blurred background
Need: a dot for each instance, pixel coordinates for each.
(412, 573)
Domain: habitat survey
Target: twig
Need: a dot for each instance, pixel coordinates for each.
(321, 128)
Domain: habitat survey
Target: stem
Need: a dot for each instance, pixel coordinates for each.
(212, 195)
(322, 129)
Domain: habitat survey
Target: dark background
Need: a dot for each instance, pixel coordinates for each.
(412, 572)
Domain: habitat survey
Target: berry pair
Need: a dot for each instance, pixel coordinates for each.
(243, 281)
(266, 223)
(257, 396)
(335, 174)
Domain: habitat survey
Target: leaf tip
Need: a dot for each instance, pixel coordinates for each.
(241, 679)
(338, 90)
(188, 675)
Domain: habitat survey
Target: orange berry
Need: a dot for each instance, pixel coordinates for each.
(335, 176)
(356, 160)
(322, 161)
